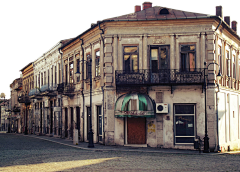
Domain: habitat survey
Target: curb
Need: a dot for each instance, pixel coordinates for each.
(119, 150)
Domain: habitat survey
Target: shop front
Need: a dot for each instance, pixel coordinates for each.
(132, 112)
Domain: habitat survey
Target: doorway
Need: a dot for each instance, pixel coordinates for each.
(136, 131)
(66, 122)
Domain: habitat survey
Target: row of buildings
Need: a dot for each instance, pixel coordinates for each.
(151, 77)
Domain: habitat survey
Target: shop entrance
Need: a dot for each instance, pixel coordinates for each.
(136, 130)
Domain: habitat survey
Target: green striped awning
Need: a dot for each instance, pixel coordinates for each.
(134, 105)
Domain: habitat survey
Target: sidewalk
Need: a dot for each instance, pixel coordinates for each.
(103, 148)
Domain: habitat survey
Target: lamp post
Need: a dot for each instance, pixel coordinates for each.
(90, 133)
(206, 138)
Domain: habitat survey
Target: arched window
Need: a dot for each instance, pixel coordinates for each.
(164, 11)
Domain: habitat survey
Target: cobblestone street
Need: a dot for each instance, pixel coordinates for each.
(23, 153)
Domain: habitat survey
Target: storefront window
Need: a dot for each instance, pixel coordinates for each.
(184, 123)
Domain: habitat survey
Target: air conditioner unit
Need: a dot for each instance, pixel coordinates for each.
(161, 108)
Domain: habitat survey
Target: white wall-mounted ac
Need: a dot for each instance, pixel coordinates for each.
(161, 108)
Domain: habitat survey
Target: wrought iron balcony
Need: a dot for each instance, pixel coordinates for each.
(53, 87)
(16, 109)
(159, 77)
(44, 88)
(66, 89)
(33, 92)
(24, 99)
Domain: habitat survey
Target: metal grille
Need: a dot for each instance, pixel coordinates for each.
(164, 77)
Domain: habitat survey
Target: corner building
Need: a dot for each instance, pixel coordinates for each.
(154, 80)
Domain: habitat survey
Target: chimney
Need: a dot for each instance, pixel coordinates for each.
(219, 11)
(147, 5)
(227, 20)
(137, 8)
(234, 26)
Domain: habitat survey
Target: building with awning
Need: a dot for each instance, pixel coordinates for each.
(134, 105)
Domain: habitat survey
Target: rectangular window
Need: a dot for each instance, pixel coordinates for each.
(44, 78)
(59, 73)
(55, 74)
(66, 74)
(97, 63)
(78, 70)
(88, 66)
(48, 74)
(130, 57)
(188, 60)
(52, 76)
(71, 71)
(159, 58)
(184, 119)
(228, 63)
(234, 66)
(41, 79)
(220, 57)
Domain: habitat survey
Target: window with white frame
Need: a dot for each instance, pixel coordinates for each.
(184, 123)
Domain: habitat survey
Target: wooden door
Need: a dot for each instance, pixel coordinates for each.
(136, 130)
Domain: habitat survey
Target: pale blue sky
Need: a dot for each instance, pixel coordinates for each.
(30, 28)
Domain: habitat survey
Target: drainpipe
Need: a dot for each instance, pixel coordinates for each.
(101, 33)
(83, 86)
(103, 116)
(103, 134)
(218, 147)
(61, 94)
(219, 24)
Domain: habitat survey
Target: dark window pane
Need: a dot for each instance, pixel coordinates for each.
(187, 47)
(184, 125)
(163, 58)
(127, 62)
(154, 60)
(184, 109)
(183, 62)
(184, 139)
(154, 66)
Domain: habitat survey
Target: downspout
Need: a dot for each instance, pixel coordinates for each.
(102, 86)
(218, 147)
(218, 25)
(83, 86)
(103, 115)
(61, 94)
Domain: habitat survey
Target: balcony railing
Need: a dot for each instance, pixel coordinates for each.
(33, 92)
(66, 89)
(16, 109)
(24, 99)
(159, 77)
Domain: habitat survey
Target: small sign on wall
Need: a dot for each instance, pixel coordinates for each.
(57, 109)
